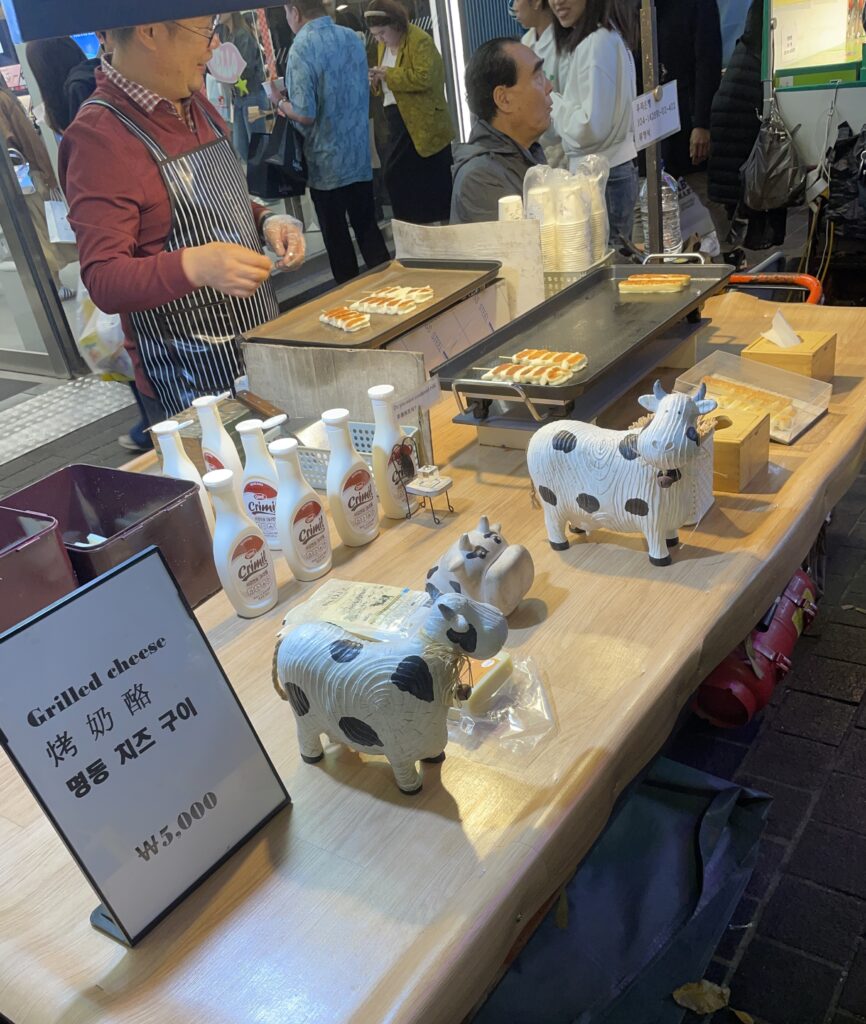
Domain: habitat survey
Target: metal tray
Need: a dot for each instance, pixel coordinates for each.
(451, 280)
(590, 317)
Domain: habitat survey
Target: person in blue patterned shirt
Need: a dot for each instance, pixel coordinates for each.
(329, 98)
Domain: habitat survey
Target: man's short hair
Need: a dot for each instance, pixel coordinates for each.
(490, 66)
(308, 8)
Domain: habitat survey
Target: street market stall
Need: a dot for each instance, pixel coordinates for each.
(360, 903)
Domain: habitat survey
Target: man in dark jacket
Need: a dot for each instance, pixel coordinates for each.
(690, 53)
(508, 92)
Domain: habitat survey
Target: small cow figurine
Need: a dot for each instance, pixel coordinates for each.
(388, 698)
(483, 566)
(628, 481)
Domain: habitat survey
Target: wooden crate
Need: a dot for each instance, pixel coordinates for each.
(815, 357)
(741, 451)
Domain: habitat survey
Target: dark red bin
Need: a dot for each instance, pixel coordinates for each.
(132, 511)
(34, 566)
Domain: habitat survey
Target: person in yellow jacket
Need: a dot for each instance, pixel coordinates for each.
(411, 76)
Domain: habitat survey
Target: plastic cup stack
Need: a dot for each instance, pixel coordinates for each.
(541, 206)
(573, 234)
(511, 208)
(599, 225)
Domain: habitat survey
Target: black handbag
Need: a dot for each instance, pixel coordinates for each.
(773, 176)
(269, 178)
(286, 150)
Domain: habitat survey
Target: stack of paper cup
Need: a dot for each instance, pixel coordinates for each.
(598, 217)
(541, 206)
(573, 232)
(511, 208)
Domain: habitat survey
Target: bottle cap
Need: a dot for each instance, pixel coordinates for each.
(167, 427)
(218, 479)
(335, 417)
(207, 401)
(282, 446)
(249, 426)
(380, 392)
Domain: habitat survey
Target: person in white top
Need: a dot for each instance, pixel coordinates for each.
(537, 18)
(592, 109)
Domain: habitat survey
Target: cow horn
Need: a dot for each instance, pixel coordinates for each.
(484, 525)
(659, 391)
(702, 392)
(464, 544)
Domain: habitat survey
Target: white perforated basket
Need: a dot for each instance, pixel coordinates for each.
(314, 461)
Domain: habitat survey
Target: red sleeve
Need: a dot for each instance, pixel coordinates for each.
(105, 179)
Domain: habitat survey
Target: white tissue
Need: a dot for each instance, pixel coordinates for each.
(782, 334)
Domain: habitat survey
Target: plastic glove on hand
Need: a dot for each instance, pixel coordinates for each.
(285, 236)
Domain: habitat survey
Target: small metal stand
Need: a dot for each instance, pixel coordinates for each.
(428, 485)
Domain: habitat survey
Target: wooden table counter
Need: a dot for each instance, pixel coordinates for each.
(361, 904)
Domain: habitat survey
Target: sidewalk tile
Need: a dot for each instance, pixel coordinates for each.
(823, 923)
(831, 857)
(843, 803)
(790, 759)
(782, 986)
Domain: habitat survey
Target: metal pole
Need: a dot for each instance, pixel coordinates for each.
(649, 49)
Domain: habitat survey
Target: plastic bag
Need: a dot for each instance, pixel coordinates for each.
(100, 338)
(772, 176)
(519, 717)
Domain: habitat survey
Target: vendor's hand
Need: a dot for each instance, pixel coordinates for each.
(285, 236)
(699, 145)
(274, 94)
(228, 268)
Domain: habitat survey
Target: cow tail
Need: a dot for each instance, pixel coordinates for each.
(275, 678)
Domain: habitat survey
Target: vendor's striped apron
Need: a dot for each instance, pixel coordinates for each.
(189, 347)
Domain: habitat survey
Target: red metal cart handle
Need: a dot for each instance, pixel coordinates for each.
(811, 284)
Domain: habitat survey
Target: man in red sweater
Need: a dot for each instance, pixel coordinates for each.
(166, 232)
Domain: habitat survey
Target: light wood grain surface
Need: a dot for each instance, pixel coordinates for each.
(360, 904)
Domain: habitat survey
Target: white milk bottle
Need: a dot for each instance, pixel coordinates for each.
(301, 521)
(217, 447)
(389, 469)
(351, 490)
(243, 562)
(259, 484)
(176, 463)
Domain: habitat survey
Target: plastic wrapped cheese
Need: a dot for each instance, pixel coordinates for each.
(487, 677)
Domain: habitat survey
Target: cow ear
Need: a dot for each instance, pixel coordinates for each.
(464, 544)
(455, 564)
(706, 405)
(649, 402)
(447, 611)
(497, 528)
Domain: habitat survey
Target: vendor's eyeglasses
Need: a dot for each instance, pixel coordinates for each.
(206, 33)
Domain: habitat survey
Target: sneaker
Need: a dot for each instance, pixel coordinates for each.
(65, 294)
(126, 441)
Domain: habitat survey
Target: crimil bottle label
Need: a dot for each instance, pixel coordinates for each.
(211, 461)
(251, 564)
(359, 500)
(260, 500)
(310, 532)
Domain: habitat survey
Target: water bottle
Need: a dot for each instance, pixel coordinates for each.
(672, 239)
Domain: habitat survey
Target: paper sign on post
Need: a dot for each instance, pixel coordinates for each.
(117, 714)
(422, 398)
(654, 119)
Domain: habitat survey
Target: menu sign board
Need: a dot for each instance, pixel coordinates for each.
(117, 714)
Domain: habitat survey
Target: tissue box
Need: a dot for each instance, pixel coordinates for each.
(815, 357)
(741, 451)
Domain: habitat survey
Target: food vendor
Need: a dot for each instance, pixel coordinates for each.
(166, 232)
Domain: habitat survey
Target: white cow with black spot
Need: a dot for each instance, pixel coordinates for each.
(643, 480)
(388, 698)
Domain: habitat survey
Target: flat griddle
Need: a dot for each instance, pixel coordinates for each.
(451, 281)
(590, 317)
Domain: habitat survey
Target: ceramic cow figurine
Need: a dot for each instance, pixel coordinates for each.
(390, 697)
(629, 481)
(484, 566)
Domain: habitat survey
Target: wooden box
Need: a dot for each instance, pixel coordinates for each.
(815, 357)
(741, 451)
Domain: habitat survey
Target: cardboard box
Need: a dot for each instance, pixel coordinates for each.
(815, 357)
(740, 451)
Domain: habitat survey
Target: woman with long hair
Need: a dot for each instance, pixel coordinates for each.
(410, 73)
(592, 110)
(54, 63)
(235, 29)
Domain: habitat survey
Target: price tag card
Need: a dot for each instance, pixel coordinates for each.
(116, 712)
(654, 119)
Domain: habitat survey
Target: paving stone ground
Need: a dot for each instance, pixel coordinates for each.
(795, 949)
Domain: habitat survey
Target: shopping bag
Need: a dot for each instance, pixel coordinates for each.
(57, 218)
(773, 176)
(285, 150)
(100, 338)
(268, 180)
